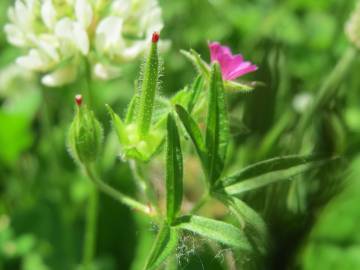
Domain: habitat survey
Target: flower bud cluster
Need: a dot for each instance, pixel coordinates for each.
(57, 34)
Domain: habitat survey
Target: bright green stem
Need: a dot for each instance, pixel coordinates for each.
(328, 89)
(117, 195)
(90, 233)
(148, 90)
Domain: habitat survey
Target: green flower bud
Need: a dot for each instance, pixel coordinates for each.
(85, 134)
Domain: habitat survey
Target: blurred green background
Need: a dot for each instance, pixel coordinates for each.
(43, 194)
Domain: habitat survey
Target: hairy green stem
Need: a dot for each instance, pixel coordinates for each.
(145, 186)
(90, 233)
(117, 195)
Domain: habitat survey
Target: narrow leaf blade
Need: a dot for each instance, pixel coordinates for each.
(174, 170)
(270, 165)
(262, 180)
(164, 245)
(217, 125)
(194, 132)
(219, 231)
(195, 93)
(252, 223)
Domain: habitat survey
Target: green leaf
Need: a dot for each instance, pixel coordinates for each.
(270, 165)
(269, 172)
(217, 125)
(164, 245)
(194, 132)
(252, 223)
(219, 231)
(198, 62)
(195, 93)
(174, 170)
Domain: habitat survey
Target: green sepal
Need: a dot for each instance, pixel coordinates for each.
(132, 145)
(119, 126)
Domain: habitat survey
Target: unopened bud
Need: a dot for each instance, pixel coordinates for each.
(155, 37)
(78, 99)
(85, 134)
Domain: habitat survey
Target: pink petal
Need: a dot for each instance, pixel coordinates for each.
(217, 51)
(243, 69)
(232, 66)
(228, 63)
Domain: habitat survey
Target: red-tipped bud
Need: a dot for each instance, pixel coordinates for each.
(78, 99)
(155, 37)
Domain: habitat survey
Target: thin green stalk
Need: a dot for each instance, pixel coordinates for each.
(117, 195)
(204, 199)
(91, 225)
(145, 186)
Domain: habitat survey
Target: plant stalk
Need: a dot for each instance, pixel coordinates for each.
(117, 195)
(91, 225)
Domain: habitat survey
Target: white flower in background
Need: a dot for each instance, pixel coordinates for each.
(57, 34)
(302, 101)
(352, 28)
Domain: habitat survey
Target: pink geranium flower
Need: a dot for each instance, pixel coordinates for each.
(232, 66)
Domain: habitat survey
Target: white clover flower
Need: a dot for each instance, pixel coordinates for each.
(352, 27)
(302, 101)
(57, 34)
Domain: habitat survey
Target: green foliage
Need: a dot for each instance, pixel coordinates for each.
(265, 204)
(194, 132)
(215, 230)
(163, 246)
(174, 171)
(271, 165)
(217, 125)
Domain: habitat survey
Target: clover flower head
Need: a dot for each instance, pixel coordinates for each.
(57, 34)
(232, 66)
